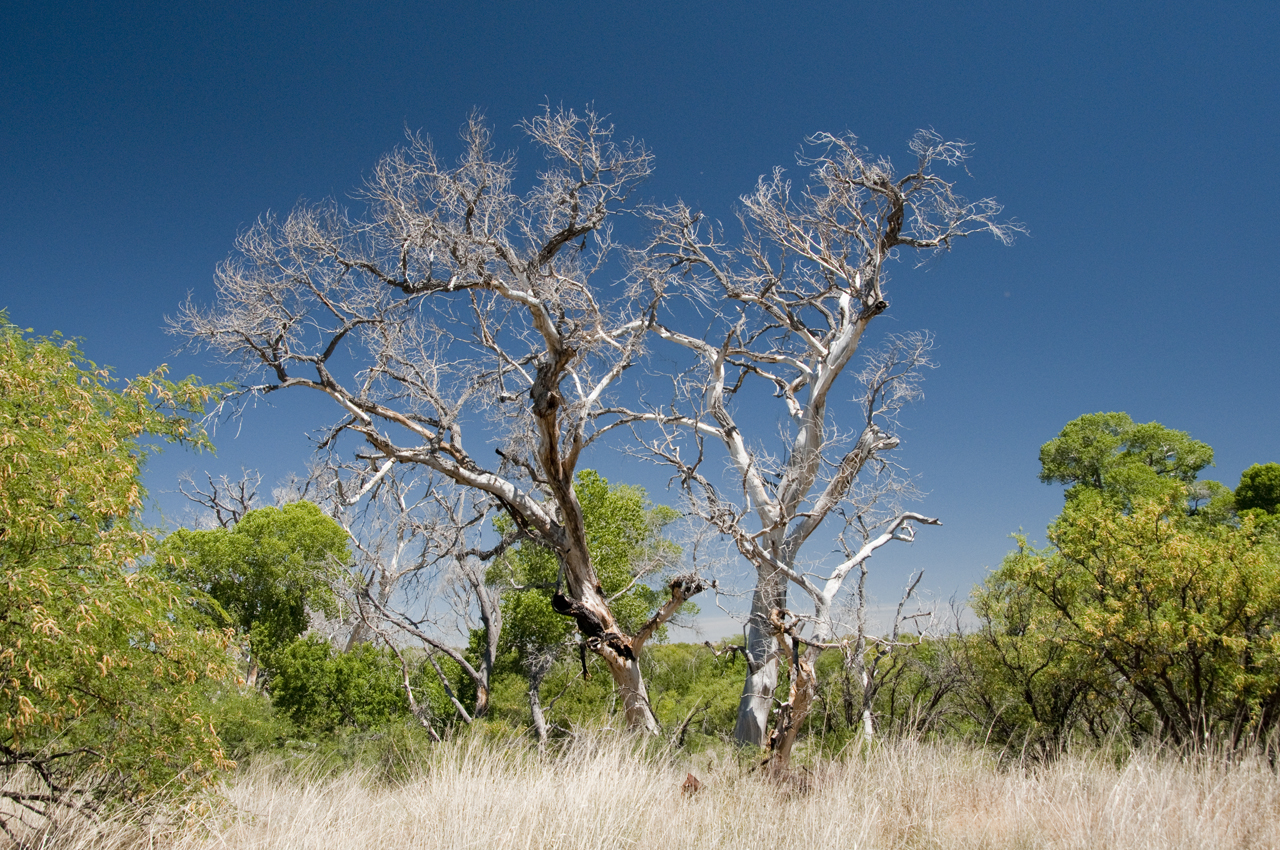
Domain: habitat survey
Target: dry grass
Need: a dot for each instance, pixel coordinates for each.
(607, 794)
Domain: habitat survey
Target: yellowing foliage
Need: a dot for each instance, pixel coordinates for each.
(103, 671)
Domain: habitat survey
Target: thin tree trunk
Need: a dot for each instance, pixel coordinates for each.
(793, 713)
(535, 710)
(251, 677)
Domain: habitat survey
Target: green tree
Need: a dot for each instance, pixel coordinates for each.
(1031, 685)
(1111, 453)
(624, 538)
(1185, 616)
(102, 664)
(264, 573)
(1259, 488)
(320, 689)
(1165, 617)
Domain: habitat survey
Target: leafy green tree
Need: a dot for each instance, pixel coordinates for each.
(1031, 684)
(1165, 617)
(320, 689)
(1259, 488)
(264, 573)
(1111, 453)
(1187, 617)
(624, 538)
(1211, 502)
(103, 665)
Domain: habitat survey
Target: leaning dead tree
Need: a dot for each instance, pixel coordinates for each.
(789, 302)
(466, 328)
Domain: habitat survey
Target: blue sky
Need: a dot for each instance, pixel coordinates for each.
(1135, 140)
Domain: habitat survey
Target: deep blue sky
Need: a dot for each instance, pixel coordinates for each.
(1136, 140)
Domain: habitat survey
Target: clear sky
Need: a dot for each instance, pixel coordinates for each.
(1136, 140)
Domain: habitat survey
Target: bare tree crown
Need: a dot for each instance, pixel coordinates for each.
(463, 328)
(794, 296)
(791, 298)
(456, 294)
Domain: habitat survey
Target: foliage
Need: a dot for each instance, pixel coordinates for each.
(1111, 453)
(264, 572)
(1259, 488)
(102, 664)
(247, 722)
(695, 695)
(320, 689)
(625, 543)
(324, 691)
(685, 682)
(435, 707)
(914, 693)
(1211, 503)
(1145, 613)
(1186, 617)
(688, 684)
(918, 690)
(1030, 685)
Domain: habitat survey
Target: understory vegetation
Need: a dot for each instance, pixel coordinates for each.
(606, 790)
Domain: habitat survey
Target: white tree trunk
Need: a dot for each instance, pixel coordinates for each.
(540, 731)
(635, 697)
(756, 703)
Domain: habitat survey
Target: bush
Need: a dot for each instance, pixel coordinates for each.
(320, 689)
(104, 665)
(247, 723)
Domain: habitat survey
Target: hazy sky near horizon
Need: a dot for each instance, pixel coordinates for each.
(1136, 141)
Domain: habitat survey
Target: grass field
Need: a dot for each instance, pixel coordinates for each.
(606, 792)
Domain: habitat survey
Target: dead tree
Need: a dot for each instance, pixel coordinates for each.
(418, 573)
(802, 652)
(865, 653)
(790, 299)
(228, 501)
(455, 314)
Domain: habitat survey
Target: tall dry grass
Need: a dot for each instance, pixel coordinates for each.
(607, 793)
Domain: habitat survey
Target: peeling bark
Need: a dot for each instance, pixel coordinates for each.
(635, 696)
(620, 652)
(793, 712)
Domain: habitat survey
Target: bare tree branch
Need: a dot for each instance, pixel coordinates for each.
(793, 297)
(228, 500)
(462, 302)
